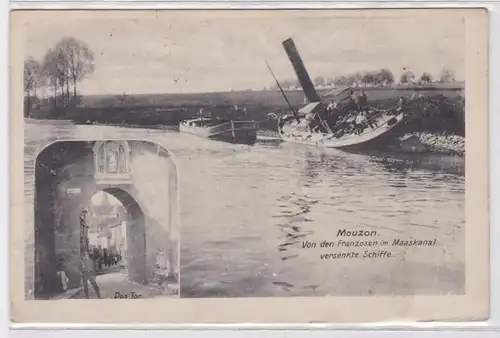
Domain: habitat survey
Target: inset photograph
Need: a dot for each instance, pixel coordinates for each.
(104, 221)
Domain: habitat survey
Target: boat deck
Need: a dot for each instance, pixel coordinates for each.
(222, 130)
(295, 132)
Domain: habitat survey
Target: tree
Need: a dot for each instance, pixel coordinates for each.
(447, 75)
(407, 77)
(385, 76)
(32, 72)
(32, 75)
(62, 70)
(69, 62)
(356, 78)
(382, 77)
(78, 60)
(319, 81)
(425, 78)
(368, 78)
(341, 81)
(50, 71)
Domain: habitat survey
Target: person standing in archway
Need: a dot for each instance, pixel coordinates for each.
(87, 270)
(105, 257)
(84, 231)
(88, 275)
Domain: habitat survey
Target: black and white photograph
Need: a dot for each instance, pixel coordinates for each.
(104, 224)
(245, 154)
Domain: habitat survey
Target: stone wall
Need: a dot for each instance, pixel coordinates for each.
(158, 198)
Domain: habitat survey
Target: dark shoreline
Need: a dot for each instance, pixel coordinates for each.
(436, 143)
(150, 110)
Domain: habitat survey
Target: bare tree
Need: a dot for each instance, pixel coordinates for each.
(62, 71)
(32, 71)
(50, 71)
(31, 82)
(78, 59)
(69, 62)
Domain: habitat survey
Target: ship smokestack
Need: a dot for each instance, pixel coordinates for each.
(300, 70)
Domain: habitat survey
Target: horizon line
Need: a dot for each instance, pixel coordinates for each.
(228, 91)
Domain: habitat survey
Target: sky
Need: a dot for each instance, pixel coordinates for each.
(98, 197)
(202, 51)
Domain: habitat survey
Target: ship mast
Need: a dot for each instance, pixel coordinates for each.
(300, 70)
(283, 92)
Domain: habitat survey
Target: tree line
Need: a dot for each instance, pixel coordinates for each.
(63, 66)
(382, 77)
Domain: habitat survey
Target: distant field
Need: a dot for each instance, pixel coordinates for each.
(157, 110)
(252, 98)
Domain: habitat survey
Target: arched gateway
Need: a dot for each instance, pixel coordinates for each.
(141, 175)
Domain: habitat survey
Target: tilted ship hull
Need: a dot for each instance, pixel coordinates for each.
(294, 128)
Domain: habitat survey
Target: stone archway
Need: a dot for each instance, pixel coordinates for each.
(67, 175)
(136, 235)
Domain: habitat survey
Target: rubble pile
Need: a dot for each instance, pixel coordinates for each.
(440, 143)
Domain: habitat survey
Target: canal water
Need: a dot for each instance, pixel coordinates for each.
(253, 217)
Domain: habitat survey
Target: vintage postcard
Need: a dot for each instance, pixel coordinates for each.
(249, 166)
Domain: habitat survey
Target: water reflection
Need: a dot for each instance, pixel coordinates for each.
(394, 196)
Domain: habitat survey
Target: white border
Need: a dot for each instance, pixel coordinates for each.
(396, 329)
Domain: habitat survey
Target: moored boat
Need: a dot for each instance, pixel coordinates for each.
(233, 131)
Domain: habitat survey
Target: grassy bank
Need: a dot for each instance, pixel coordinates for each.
(441, 112)
(250, 98)
(168, 109)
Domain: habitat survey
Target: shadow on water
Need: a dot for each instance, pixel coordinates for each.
(398, 162)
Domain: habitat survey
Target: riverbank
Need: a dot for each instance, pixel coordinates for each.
(170, 109)
(436, 143)
(48, 121)
(440, 143)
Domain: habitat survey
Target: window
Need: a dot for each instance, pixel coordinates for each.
(111, 159)
(113, 153)
(121, 159)
(101, 159)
